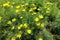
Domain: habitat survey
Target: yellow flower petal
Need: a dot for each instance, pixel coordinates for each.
(21, 17)
(38, 24)
(41, 16)
(29, 31)
(12, 27)
(49, 3)
(0, 18)
(38, 9)
(11, 6)
(26, 4)
(9, 22)
(22, 5)
(42, 25)
(40, 39)
(47, 11)
(23, 10)
(19, 35)
(35, 8)
(25, 25)
(30, 10)
(13, 38)
(17, 11)
(20, 26)
(36, 19)
(6, 4)
(34, 13)
(18, 6)
(14, 19)
(33, 4)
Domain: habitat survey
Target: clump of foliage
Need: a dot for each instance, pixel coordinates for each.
(29, 20)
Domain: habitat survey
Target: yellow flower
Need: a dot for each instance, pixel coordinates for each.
(38, 24)
(6, 4)
(11, 6)
(30, 10)
(21, 17)
(34, 13)
(13, 38)
(14, 19)
(33, 4)
(26, 4)
(23, 10)
(19, 35)
(35, 8)
(12, 27)
(13, 2)
(41, 16)
(22, 5)
(40, 39)
(9, 22)
(36, 19)
(42, 24)
(0, 18)
(25, 25)
(49, 3)
(17, 11)
(29, 31)
(18, 6)
(45, 6)
(20, 26)
(47, 11)
(38, 9)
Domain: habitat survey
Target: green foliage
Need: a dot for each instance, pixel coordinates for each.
(29, 20)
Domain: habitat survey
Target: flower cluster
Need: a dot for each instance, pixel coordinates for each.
(24, 18)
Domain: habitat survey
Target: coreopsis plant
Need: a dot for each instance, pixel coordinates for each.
(27, 19)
